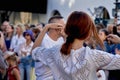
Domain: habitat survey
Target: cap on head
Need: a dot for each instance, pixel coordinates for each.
(28, 32)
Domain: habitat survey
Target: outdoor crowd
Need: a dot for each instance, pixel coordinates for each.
(75, 50)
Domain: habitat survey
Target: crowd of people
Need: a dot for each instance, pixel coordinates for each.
(18, 39)
(75, 50)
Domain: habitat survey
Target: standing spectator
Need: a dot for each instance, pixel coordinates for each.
(9, 35)
(17, 39)
(13, 71)
(52, 37)
(24, 55)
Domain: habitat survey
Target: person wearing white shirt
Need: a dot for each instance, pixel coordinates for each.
(73, 61)
(52, 37)
(48, 42)
(24, 55)
(17, 40)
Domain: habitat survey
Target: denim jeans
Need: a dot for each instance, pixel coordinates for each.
(25, 65)
(24, 68)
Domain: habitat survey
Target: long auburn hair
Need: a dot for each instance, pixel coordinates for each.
(79, 26)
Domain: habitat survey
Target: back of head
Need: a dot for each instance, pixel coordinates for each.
(99, 26)
(79, 26)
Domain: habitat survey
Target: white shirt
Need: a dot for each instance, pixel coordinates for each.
(16, 42)
(42, 71)
(81, 64)
(25, 48)
(48, 42)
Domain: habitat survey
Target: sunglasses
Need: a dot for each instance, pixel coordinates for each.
(27, 35)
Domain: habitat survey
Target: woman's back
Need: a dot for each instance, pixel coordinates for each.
(76, 66)
(81, 64)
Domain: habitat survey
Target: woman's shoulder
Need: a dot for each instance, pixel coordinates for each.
(94, 53)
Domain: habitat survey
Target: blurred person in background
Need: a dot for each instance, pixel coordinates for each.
(4, 25)
(17, 39)
(36, 32)
(40, 26)
(24, 55)
(110, 28)
(27, 26)
(118, 28)
(103, 33)
(48, 37)
(13, 70)
(114, 49)
(9, 35)
(32, 26)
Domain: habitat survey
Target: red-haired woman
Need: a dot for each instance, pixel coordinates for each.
(73, 61)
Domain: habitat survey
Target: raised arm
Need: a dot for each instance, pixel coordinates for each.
(40, 37)
(2, 42)
(104, 60)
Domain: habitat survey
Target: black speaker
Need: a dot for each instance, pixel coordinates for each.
(34, 6)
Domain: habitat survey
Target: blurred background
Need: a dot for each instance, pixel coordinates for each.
(35, 11)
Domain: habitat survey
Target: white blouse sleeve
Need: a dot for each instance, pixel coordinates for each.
(39, 54)
(104, 60)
